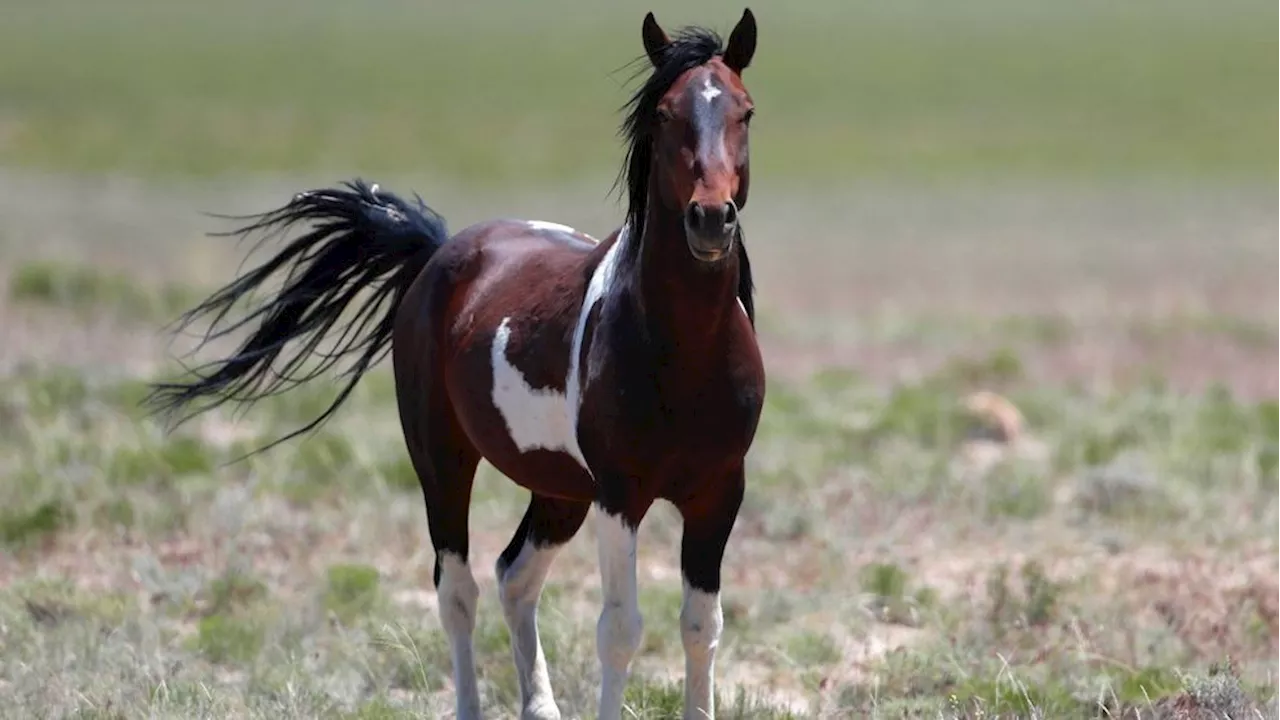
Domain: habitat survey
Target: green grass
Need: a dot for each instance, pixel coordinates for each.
(89, 290)
(352, 591)
(284, 603)
(1120, 557)
(228, 640)
(22, 527)
(526, 93)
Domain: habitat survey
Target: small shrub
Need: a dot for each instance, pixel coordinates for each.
(52, 603)
(1008, 696)
(892, 598)
(1001, 366)
(1225, 426)
(1146, 685)
(884, 580)
(927, 414)
(1040, 594)
(351, 591)
(1016, 491)
(227, 639)
(161, 464)
(22, 528)
(1124, 489)
(235, 590)
(808, 649)
(1219, 695)
(1036, 605)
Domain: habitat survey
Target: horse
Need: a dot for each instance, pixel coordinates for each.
(603, 374)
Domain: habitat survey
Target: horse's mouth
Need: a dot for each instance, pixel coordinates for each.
(710, 254)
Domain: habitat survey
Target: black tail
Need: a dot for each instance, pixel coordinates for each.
(363, 240)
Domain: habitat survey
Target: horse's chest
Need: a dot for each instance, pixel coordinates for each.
(658, 413)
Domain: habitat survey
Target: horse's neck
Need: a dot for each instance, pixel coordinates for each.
(682, 299)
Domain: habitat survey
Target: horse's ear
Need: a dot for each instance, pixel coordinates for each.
(655, 39)
(742, 43)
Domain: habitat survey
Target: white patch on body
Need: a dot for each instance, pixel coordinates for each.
(543, 418)
(536, 419)
(458, 593)
(701, 622)
(709, 91)
(620, 628)
(600, 285)
(519, 588)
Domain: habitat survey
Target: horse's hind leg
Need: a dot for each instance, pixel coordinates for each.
(522, 569)
(445, 460)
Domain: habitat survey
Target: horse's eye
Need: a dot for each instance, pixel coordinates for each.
(664, 116)
(746, 116)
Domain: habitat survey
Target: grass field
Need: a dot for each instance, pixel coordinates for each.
(1070, 205)
(526, 92)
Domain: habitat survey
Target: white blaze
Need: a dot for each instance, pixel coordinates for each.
(709, 91)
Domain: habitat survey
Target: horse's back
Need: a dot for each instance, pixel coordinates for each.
(526, 271)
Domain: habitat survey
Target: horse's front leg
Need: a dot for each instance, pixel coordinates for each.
(708, 521)
(621, 627)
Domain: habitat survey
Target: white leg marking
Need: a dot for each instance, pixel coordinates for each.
(620, 629)
(519, 588)
(535, 418)
(458, 594)
(701, 622)
(599, 287)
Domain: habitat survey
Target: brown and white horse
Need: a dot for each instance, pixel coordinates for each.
(610, 373)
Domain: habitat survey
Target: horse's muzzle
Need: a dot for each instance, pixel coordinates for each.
(710, 229)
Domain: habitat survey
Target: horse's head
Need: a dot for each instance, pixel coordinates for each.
(696, 126)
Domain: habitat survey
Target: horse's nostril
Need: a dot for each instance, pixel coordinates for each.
(730, 213)
(697, 216)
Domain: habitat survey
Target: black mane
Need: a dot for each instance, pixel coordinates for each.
(689, 48)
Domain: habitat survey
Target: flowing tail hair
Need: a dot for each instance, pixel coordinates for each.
(362, 240)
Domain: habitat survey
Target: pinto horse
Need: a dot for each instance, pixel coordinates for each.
(607, 373)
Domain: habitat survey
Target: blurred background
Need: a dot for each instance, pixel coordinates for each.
(1070, 207)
